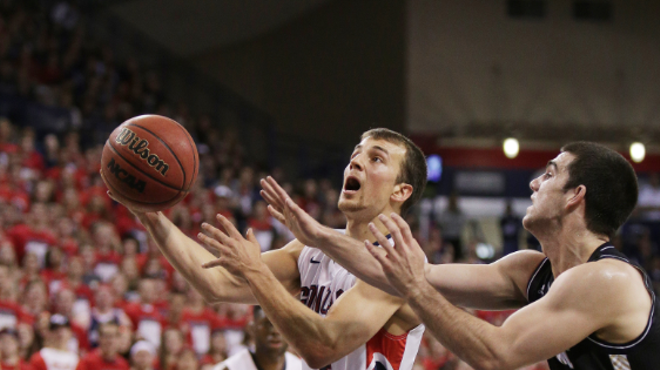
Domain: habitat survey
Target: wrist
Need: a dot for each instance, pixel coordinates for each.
(255, 271)
(417, 290)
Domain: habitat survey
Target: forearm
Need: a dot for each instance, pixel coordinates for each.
(354, 257)
(187, 257)
(471, 339)
(301, 327)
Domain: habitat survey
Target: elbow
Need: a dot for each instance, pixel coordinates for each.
(317, 358)
(491, 364)
(316, 362)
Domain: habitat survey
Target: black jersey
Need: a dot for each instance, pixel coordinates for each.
(642, 353)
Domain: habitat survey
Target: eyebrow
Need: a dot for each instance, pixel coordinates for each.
(376, 147)
(552, 163)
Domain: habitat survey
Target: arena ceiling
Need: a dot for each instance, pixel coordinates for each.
(188, 28)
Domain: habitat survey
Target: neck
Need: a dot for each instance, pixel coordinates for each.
(269, 360)
(359, 228)
(569, 245)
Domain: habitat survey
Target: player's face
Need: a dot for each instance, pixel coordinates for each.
(548, 197)
(266, 337)
(370, 177)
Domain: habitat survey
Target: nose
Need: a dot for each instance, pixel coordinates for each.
(534, 184)
(355, 163)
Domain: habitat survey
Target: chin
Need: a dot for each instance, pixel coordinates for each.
(349, 207)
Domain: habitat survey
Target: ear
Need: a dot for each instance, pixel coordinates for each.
(576, 196)
(401, 193)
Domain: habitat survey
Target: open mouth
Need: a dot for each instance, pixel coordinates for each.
(352, 184)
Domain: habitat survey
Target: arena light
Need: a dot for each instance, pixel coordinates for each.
(511, 147)
(637, 152)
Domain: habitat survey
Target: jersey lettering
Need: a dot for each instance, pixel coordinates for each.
(319, 300)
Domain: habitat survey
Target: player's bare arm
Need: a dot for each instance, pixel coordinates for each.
(607, 298)
(351, 321)
(216, 285)
(499, 285)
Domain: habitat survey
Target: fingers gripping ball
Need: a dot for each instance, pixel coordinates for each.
(149, 163)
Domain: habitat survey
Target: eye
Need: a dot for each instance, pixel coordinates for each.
(377, 159)
(547, 175)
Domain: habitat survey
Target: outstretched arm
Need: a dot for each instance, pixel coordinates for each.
(351, 321)
(582, 301)
(500, 285)
(187, 257)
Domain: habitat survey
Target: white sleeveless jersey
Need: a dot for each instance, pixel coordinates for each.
(243, 361)
(322, 282)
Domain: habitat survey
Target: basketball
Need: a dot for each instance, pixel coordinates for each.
(149, 163)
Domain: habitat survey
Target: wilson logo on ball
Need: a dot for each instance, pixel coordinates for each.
(140, 147)
(125, 177)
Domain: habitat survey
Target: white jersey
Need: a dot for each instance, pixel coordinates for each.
(322, 281)
(243, 361)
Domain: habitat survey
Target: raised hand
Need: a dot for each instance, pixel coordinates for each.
(237, 254)
(403, 262)
(143, 216)
(306, 229)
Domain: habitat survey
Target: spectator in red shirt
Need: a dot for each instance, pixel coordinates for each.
(261, 224)
(56, 355)
(173, 344)
(9, 351)
(8, 258)
(67, 236)
(11, 312)
(33, 236)
(6, 133)
(104, 312)
(175, 307)
(30, 270)
(199, 321)
(35, 298)
(88, 255)
(74, 281)
(54, 272)
(107, 245)
(130, 270)
(106, 357)
(218, 351)
(30, 157)
(64, 300)
(147, 320)
(143, 355)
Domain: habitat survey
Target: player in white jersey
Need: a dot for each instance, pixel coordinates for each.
(270, 350)
(365, 329)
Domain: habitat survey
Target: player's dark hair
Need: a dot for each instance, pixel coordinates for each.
(611, 185)
(413, 168)
(257, 313)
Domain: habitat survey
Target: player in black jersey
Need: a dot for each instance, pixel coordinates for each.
(583, 305)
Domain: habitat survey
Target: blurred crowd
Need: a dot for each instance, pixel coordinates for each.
(78, 273)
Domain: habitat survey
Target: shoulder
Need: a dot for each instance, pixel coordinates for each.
(609, 286)
(524, 259)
